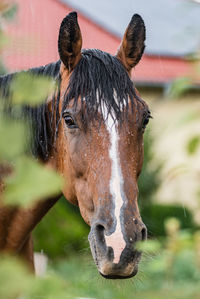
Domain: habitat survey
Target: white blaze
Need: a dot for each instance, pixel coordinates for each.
(116, 239)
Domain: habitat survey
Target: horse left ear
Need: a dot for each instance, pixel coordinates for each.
(132, 46)
(70, 41)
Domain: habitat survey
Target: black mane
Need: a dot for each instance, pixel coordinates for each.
(100, 80)
(38, 117)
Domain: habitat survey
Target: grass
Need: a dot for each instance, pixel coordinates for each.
(84, 281)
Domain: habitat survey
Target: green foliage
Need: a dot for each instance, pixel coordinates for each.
(171, 268)
(17, 282)
(149, 179)
(7, 265)
(9, 11)
(3, 41)
(168, 270)
(193, 145)
(179, 87)
(31, 90)
(177, 261)
(2, 66)
(12, 136)
(30, 181)
(154, 217)
(64, 230)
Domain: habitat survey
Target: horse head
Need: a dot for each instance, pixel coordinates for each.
(99, 145)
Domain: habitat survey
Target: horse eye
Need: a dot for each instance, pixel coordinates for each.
(70, 123)
(146, 121)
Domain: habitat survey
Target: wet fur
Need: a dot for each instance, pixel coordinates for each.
(96, 79)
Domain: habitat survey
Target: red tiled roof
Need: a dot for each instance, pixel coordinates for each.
(34, 35)
(156, 69)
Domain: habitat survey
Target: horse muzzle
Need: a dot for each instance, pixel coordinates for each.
(119, 261)
(126, 268)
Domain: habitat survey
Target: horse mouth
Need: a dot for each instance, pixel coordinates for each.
(118, 276)
(126, 267)
(109, 270)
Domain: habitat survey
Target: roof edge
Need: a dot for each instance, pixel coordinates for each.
(118, 36)
(91, 19)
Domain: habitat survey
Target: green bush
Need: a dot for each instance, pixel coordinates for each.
(155, 215)
(62, 231)
(149, 179)
(169, 269)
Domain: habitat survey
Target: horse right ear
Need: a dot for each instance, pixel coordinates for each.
(70, 41)
(132, 46)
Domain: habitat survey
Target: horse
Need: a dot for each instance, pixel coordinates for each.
(91, 132)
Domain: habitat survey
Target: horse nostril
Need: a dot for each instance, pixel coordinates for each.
(144, 233)
(100, 233)
(99, 228)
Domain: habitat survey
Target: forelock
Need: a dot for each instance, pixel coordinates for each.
(100, 80)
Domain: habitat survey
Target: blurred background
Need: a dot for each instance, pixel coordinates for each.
(168, 79)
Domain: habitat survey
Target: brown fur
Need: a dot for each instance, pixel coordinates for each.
(132, 46)
(82, 158)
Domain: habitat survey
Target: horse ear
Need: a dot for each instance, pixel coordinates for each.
(70, 41)
(132, 45)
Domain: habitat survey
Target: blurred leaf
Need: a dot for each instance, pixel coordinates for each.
(198, 194)
(184, 267)
(30, 89)
(9, 11)
(193, 144)
(3, 40)
(2, 68)
(16, 282)
(172, 226)
(179, 87)
(49, 287)
(14, 278)
(189, 117)
(151, 246)
(30, 181)
(12, 138)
